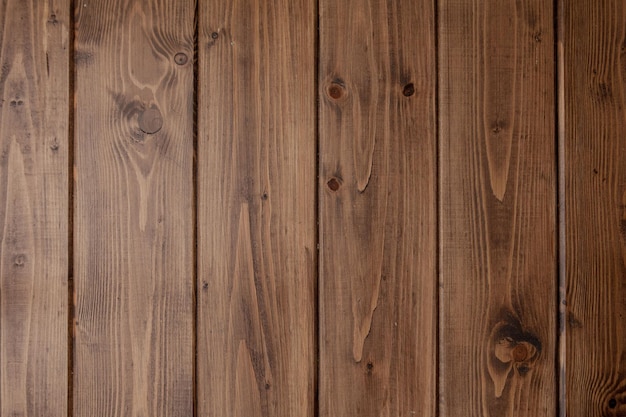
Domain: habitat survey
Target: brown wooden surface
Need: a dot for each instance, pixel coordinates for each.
(256, 208)
(34, 62)
(593, 126)
(497, 218)
(312, 208)
(133, 222)
(377, 178)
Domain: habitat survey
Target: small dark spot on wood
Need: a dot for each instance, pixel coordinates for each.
(498, 126)
(19, 260)
(370, 366)
(595, 171)
(612, 403)
(537, 37)
(267, 385)
(523, 369)
(47, 64)
(335, 91)
(20, 102)
(594, 71)
(53, 19)
(408, 90)
(574, 323)
(333, 184)
(264, 196)
(54, 145)
(180, 58)
(215, 35)
(205, 285)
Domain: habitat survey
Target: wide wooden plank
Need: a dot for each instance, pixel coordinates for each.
(256, 208)
(34, 62)
(377, 183)
(592, 102)
(498, 244)
(134, 208)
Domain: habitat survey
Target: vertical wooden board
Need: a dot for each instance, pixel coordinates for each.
(34, 42)
(256, 208)
(497, 208)
(134, 208)
(377, 185)
(593, 65)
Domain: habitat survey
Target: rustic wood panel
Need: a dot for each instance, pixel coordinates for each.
(34, 62)
(256, 208)
(497, 208)
(377, 183)
(134, 208)
(592, 47)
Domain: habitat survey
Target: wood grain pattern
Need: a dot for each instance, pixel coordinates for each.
(134, 208)
(497, 208)
(377, 208)
(34, 65)
(593, 61)
(256, 208)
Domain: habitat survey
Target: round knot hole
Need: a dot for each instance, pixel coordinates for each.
(335, 91)
(333, 184)
(215, 35)
(151, 121)
(180, 58)
(612, 403)
(520, 353)
(408, 90)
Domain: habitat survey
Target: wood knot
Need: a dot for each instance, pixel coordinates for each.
(150, 121)
(335, 90)
(333, 184)
(513, 351)
(19, 260)
(408, 90)
(180, 58)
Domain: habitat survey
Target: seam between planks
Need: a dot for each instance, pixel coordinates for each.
(70, 225)
(437, 278)
(317, 210)
(194, 187)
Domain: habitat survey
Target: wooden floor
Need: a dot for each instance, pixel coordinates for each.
(303, 208)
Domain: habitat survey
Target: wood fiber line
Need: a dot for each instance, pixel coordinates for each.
(377, 185)
(133, 218)
(497, 208)
(256, 208)
(593, 46)
(34, 64)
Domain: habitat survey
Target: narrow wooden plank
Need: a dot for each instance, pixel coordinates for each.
(256, 208)
(134, 208)
(593, 60)
(377, 208)
(497, 208)
(34, 105)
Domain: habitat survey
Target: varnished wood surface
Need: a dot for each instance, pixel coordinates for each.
(377, 179)
(34, 146)
(312, 208)
(497, 216)
(256, 208)
(593, 361)
(133, 219)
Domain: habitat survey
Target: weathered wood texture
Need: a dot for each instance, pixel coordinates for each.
(377, 183)
(133, 222)
(498, 256)
(256, 208)
(593, 63)
(34, 62)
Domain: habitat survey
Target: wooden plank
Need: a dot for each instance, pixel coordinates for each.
(592, 49)
(134, 208)
(497, 208)
(34, 106)
(377, 208)
(256, 208)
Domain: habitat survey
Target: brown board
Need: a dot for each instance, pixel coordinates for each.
(133, 208)
(34, 148)
(498, 247)
(377, 194)
(256, 209)
(592, 127)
